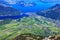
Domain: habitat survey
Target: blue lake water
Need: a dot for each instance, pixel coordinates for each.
(13, 17)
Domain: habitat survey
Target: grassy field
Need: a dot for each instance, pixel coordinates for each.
(9, 28)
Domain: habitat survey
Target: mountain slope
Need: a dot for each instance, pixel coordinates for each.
(37, 25)
(8, 11)
(53, 12)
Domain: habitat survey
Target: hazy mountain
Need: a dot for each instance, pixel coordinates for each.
(53, 12)
(9, 12)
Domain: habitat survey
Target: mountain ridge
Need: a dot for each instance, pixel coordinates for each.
(9, 12)
(53, 12)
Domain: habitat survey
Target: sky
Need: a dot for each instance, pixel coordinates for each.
(40, 4)
(44, 1)
(50, 1)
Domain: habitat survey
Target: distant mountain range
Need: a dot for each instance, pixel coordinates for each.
(53, 12)
(9, 12)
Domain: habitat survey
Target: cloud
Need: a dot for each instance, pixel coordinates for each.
(11, 1)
